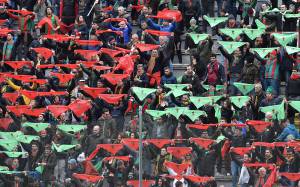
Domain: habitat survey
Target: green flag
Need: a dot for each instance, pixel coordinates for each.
(292, 15)
(177, 93)
(194, 114)
(7, 135)
(62, 148)
(198, 37)
(295, 105)
(215, 21)
(275, 10)
(176, 86)
(156, 113)
(36, 126)
(218, 112)
(4, 168)
(179, 79)
(260, 25)
(244, 87)
(239, 101)
(230, 47)
(201, 101)
(9, 144)
(263, 52)
(39, 169)
(285, 38)
(10, 172)
(253, 33)
(277, 110)
(218, 87)
(176, 111)
(232, 33)
(27, 139)
(142, 93)
(71, 128)
(292, 50)
(13, 154)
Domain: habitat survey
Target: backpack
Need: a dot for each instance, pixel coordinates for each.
(212, 73)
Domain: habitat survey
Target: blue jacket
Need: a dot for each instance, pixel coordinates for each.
(289, 130)
(168, 80)
(126, 32)
(155, 26)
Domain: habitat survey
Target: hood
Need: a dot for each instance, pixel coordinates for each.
(291, 127)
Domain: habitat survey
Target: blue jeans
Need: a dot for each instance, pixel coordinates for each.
(232, 89)
(235, 171)
(287, 75)
(274, 84)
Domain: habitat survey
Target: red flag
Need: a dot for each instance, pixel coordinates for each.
(132, 143)
(259, 126)
(178, 177)
(57, 110)
(115, 20)
(205, 143)
(45, 52)
(159, 143)
(2, 21)
(99, 32)
(124, 158)
(37, 81)
(108, 9)
(18, 64)
(179, 152)
(169, 15)
(89, 178)
(3, 1)
(145, 183)
(112, 148)
(291, 176)
(5, 31)
(111, 98)
(201, 126)
(258, 165)
(293, 144)
(63, 78)
(101, 68)
(45, 66)
(279, 144)
(154, 78)
(126, 64)
(123, 50)
(34, 112)
(22, 12)
(89, 168)
(70, 66)
(34, 94)
(225, 148)
(87, 54)
(17, 110)
(111, 52)
(12, 97)
(137, 7)
(198, 179)
(263, 144)
(57, 37)
(178, 168)
(94, 92)
(272, 178)
(146, 47)
(45, 21)
(79, 107)
(88, 42)
(5, 122)
(241, 150)
(3, 76)
(114, 78)
(232, 125)
(158, 33)
(21, 77)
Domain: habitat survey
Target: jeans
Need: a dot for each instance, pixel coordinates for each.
(235, 171)
(274, 84)
(287, 75)
(232, 89)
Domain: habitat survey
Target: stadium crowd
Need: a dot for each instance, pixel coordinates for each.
(75, 74)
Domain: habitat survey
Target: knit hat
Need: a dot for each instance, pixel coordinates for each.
(269, 90)
(72, 161)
